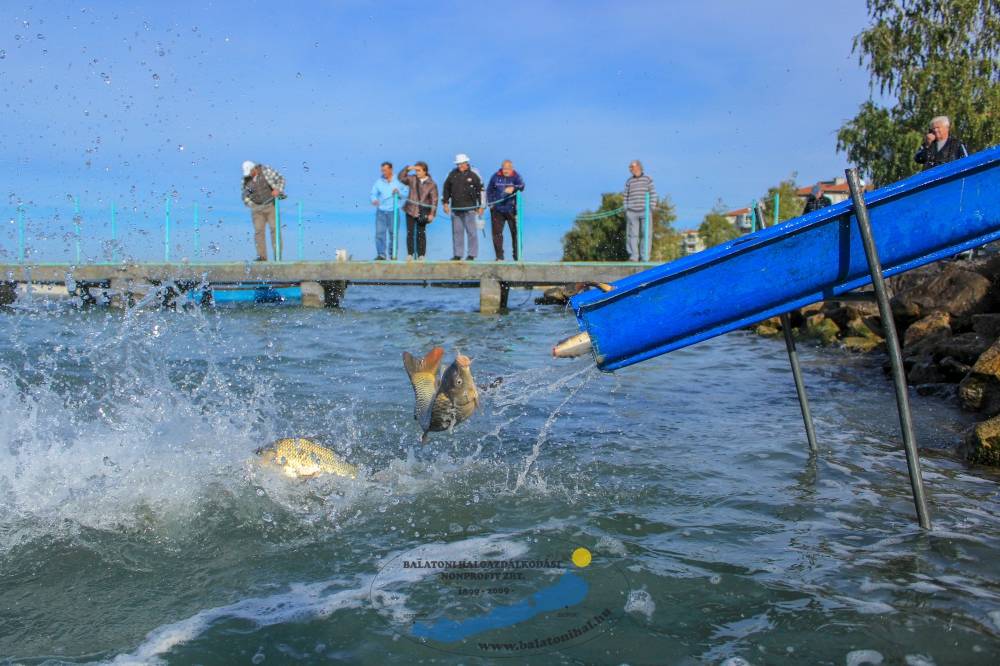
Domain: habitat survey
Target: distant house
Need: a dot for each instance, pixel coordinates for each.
(835, 190)
(741, 219)
(691, 241)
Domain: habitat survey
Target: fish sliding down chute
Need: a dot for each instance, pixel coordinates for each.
(818, 256)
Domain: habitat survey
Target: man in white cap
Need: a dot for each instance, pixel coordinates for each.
(462, 198)
(261, 186)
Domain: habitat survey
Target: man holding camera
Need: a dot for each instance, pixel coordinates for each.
(939, 147)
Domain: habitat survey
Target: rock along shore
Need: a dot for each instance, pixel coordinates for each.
(948, 318)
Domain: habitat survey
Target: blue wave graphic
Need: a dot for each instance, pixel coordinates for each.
(569, 590)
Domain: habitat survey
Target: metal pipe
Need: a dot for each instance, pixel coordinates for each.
(197, 234)
(277, 230)
(114, 234)
(520, 227)
(20, 235)
(892, 343)
(394, 250)
(166, 234)
(800, 386)
(302, 238)
(76, 225)
(647, 240)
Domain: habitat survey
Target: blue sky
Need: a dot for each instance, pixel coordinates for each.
(137, 102)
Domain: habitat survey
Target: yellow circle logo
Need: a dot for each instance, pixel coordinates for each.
(581, 557)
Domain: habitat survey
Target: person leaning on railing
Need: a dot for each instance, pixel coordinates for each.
(461, 197)
(421, 206)
(501, 194)
(636, 188)
(939, 147)
(261, 186)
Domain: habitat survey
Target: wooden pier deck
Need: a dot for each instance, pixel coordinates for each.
(323, 282)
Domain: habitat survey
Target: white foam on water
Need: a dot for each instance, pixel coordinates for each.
(926, 588)
(304, 602)
(543, 434)
(611, 545)
(867, 607)
(994, 618)
(864, 658)
(918, 660)
(640, 602)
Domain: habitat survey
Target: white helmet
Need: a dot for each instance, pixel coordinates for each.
(461, 157)
(247, 168)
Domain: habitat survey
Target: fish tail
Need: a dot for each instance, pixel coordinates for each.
(429, 363)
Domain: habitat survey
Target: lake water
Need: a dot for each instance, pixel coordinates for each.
(135, 527)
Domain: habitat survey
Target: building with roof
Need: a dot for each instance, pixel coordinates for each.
(691, 241)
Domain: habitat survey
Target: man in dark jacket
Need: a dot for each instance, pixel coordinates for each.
(816, 200)
(938, 147)
(501, 194)
(461, 196)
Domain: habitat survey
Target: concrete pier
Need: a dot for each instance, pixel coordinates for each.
(323, 283)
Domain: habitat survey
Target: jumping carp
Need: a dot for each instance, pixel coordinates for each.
(441, 401)
(302, 458)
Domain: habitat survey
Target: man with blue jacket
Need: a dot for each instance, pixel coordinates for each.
(501, 196)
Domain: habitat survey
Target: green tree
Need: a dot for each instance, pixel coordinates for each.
(600, 235)
(715, 228)
(933, 57)
(789, 203)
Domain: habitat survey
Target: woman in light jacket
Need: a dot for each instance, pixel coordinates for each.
(421, 207)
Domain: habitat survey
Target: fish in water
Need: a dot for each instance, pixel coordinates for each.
(301, 458)
(441, 401)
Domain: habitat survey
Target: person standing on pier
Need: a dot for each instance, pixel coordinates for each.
(501, 194)
(461, 197)
(262, 185)
(939, 147)
(386, 192)
(421, 207)
(636, 188)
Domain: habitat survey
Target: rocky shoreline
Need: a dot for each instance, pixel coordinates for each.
(947, 315)
(948, 318)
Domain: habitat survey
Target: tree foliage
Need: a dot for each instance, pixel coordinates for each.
(604, 239)
(933, 57)
(789, 203)
(715, 228)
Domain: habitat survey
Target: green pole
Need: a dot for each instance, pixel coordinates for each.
(277, 230)
(114, 234)
(777, 199)
(20, 234)
(197, 234)
(395, 226)
(519, 200)
(753, 216)
(166, 234)
(76, 225)
(302, 238)
(647, 240)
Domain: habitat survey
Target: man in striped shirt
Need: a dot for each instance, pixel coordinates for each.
(636, 189)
